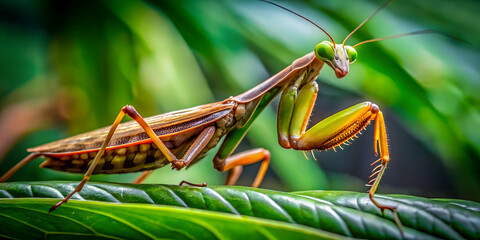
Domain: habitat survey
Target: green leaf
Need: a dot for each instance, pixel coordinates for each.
(29, 219)
(445, 218)
(474, 206)
(345, 213)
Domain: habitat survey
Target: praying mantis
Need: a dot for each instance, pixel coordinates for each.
(182, 138)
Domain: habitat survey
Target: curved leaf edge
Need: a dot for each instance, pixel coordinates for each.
(43, 204)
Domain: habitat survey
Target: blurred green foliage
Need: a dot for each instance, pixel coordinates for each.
(90, 58)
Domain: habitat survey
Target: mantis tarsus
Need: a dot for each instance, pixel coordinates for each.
(183, 137)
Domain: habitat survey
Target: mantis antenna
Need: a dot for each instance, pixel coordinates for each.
(359, 26)
(396, 36)
(389, 37)
(366, 20)
(284, 8)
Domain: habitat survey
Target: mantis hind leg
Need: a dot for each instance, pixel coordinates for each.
(143, 176)
(197, 146)
(13, 170)
(130, 111)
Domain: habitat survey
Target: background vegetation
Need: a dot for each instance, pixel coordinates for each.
(68, 67)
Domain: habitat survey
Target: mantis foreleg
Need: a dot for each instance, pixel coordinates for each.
(332, 131)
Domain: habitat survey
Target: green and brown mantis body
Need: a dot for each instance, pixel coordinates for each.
(183, 137)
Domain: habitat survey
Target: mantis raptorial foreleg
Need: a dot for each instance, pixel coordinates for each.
(294, 113)
(342, 126)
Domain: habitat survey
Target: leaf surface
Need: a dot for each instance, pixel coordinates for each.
(29, 219)
(344, 213)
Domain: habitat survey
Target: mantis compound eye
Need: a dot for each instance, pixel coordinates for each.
(351, 53)
(324, 51)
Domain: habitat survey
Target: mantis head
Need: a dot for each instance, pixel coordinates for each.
(338, 57)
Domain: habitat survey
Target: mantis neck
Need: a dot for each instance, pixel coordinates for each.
(306, 63)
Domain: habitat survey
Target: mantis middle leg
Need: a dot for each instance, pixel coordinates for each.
(225, 161)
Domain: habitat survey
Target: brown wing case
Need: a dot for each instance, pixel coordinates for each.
(130, 132)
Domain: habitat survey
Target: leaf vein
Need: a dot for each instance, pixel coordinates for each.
(114, 218)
